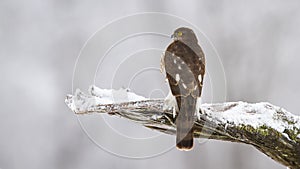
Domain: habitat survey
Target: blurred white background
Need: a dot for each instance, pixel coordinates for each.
(257, 41)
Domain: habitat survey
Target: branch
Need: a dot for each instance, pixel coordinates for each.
(272, 130)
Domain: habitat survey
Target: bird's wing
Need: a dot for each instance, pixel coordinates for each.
(182, 70)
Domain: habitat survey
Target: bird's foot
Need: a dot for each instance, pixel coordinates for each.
(170, 104)
(198, 111)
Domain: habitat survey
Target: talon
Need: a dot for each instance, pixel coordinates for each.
(170, 103)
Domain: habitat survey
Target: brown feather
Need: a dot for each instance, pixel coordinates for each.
(184, 61)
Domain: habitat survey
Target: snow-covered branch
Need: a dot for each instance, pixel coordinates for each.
(269, 128)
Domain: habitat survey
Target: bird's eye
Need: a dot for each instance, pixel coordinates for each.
(179, 33)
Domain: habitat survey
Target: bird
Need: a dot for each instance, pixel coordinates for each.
(184, 66)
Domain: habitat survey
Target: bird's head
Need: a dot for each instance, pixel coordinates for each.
(184, 34)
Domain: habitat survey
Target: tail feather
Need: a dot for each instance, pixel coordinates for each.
(186, 143)
(185, 122)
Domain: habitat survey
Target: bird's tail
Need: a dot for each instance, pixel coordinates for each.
(185, 122)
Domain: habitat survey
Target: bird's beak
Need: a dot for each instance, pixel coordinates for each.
(172, 36)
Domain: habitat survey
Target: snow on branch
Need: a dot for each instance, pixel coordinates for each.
(271, 129)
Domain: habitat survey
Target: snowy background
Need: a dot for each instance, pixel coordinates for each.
(257, 41)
